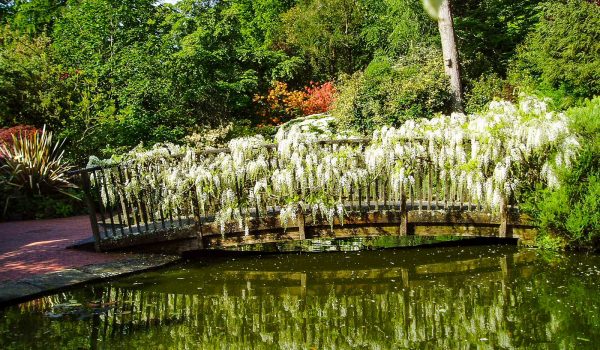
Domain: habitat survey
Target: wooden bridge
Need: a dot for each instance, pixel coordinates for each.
(148, 221)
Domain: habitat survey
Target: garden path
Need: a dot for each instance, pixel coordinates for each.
(35, 247)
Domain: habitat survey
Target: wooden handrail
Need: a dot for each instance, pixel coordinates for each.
(125, 215)
(365, 141)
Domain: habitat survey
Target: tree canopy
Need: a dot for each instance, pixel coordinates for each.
(109, 74)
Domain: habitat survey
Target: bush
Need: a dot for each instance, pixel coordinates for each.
(7, 134)
(389, 93)
(319, 98)
(282, 104)
(485, 90)
(561, 57)
(33, 177)
(573, 210)
(17, 207)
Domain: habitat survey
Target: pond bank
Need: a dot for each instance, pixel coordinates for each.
(34, 247)
(35, 259)
(15, 291)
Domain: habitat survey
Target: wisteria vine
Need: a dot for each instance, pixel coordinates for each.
(485, 156)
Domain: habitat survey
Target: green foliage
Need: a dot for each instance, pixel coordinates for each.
(486, 89)
(399, 26)
(112, 55)
(390, 92)
(41, 207)
(489, 31)
(27, 79)
(33, 16)
(561, 57)
(573, 210)
(550, 244)
(109, 75)
(343, 35)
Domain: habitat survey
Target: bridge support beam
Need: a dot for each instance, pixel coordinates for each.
(301, 227)
(403, 229)
(503, 229)
(197, 218)
(85, 177)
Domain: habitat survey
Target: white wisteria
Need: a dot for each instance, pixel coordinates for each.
(481, 158)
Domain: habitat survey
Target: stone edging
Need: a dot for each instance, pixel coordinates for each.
(12, 292)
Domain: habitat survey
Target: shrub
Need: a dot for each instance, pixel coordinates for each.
(7, 134)
(390, 92)
(282, 104)
(573, 210)
(485, 90)
(319, 98)
(41, 207)
(272, 107)
(561, 57)
(34, 164)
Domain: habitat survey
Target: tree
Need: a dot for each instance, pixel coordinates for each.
(327, 34)
(561, 56)
(442, 11)
(489, 31)
(28, 79)
(34, 16)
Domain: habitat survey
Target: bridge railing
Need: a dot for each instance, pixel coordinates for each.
(149, 210)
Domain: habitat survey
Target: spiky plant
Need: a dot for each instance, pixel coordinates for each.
(35, 165)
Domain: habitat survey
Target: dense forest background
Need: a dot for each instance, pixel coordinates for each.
(110, 74)
(106, 76)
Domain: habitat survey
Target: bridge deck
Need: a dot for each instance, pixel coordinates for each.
(188, 234)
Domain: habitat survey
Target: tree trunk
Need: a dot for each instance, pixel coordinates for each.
(450, 52)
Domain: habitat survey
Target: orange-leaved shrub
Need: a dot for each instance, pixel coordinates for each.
(281, 104)
(319, 98)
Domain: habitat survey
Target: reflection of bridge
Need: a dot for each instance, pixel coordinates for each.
(413, 304)
(318, 278)
(428, 206)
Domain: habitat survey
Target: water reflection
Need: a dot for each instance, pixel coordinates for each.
(486, 297)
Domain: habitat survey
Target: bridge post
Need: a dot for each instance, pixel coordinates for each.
(503, 229)
(197, 217)
(403, 214)
(301, 228)
(87, 192)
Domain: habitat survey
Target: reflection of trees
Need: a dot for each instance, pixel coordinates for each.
(509, 308)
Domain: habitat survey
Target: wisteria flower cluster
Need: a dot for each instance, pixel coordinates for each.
(485, 157)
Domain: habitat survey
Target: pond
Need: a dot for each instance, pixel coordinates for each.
(438, 297)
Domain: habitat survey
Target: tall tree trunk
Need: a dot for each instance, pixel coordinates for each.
(450, 52)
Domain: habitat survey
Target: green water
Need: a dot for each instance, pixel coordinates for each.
(496, 297)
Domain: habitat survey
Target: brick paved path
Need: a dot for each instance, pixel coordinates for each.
(38, 246)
